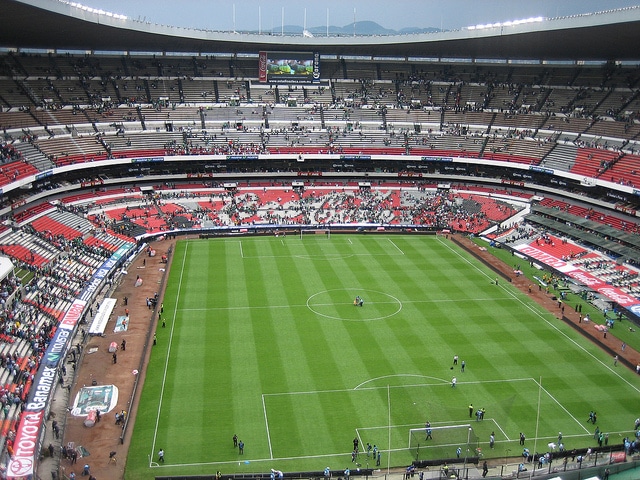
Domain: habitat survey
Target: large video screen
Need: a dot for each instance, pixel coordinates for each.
(289, 67)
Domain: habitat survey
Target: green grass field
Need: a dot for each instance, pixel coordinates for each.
(263, 341)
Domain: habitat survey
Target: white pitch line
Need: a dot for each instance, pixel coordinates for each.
(166, 362)
(333, 304)
(241, 251)
(420, 426)
(361, 443)
(398, 248)
(266, 424)
(561, 406)
(360, 388)
(256, 460)
(330, 455)
(328, 255)
(500, 428)
(398, 375)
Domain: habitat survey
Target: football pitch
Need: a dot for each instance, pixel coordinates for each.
(263, 340)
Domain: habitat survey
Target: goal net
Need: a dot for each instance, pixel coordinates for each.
(317, 232)
(443, 442)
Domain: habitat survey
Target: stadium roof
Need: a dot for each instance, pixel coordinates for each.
(63, 26)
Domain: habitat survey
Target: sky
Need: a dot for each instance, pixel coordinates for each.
(244, 15)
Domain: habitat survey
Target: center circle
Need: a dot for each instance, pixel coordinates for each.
(340, 304)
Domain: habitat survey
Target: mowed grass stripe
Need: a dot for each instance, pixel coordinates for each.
(278, 341)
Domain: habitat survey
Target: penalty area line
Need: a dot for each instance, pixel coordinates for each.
(396, 246)
(500, 428)
(266, 424)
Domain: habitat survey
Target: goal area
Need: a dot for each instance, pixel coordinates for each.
(443, 442)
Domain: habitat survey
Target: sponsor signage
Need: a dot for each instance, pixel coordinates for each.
(316, 67)
(25, 445)
(200, 175)
(43, 384)
(147, 160)
(622, 208)
(242, 157)
(535, 168)
(17, 204)
(57, 348)
(73, 315)
(92, 183)
(262, 67)
(95, 282)
(512, 182)
(42, 175)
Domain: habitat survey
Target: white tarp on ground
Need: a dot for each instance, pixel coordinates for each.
(99, 323)
(100, 397)
(6, 267)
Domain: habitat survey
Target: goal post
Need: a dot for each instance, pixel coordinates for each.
(319, 232)
(443, 442)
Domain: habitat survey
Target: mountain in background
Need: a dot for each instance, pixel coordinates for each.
(361, 28)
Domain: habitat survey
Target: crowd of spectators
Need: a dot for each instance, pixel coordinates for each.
(8, 153)
(320, 204)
